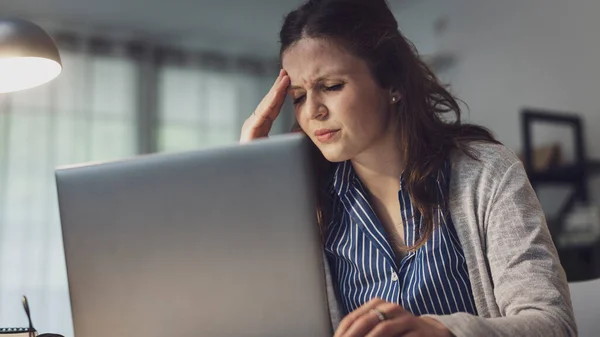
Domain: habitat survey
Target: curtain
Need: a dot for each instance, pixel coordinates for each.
(202, 105)
(104, 106)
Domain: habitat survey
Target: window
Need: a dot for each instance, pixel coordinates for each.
(88, 114)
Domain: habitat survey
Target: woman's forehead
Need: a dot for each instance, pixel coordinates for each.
(308, 49)
(311, 60)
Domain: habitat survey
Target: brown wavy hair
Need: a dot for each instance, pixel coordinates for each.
(428, 115)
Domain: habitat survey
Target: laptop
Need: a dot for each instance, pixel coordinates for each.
(220, 242)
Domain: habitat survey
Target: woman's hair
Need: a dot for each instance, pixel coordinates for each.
(368, 30)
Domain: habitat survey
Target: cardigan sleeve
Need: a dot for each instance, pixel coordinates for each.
(529, 283)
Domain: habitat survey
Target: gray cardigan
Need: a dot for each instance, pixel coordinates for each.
(519, 286)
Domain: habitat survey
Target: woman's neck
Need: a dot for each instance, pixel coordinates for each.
(379, 167)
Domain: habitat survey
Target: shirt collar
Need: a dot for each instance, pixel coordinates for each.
(344, 176)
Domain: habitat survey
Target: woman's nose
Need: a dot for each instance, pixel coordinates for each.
(317, 110)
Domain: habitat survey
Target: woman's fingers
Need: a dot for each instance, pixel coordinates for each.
(271, 104)
(347, 322)
(401, 325)
(377, 315)
(259, 123)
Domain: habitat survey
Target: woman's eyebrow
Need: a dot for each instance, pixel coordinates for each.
(319, 79)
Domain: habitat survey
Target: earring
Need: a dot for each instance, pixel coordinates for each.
(394, 99)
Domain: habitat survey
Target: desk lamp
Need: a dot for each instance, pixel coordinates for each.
(28, 55)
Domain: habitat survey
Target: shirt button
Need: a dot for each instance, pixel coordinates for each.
(394, 276)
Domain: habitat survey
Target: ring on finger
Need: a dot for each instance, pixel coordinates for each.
(380, 315)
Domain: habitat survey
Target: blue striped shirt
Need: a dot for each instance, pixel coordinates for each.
(431, 280)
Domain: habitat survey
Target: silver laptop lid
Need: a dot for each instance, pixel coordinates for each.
(219, 242)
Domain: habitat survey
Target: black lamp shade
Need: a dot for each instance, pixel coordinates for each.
(28, 55)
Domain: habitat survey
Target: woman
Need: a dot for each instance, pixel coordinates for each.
(430, 226)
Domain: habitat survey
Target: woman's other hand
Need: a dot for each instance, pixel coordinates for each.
(379, 318)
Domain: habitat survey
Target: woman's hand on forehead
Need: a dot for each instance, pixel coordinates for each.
(259, 123)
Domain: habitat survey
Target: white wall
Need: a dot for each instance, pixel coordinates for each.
(518, 53)
(416, 22)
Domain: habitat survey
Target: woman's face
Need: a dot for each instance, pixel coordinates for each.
(337, 101)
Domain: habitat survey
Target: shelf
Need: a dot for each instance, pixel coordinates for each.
(565, 173)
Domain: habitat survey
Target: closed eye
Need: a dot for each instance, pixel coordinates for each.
(299, 100)
(336, 87)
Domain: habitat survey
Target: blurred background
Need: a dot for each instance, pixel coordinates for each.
(161, 76)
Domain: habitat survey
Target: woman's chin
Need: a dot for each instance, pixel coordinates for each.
(333, 155)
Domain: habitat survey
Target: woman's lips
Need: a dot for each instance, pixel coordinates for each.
(324, 135)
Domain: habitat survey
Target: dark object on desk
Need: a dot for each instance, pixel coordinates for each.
(16, 332)
(25, 332)
(21, 332)
(26, 308)
(580, 263)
